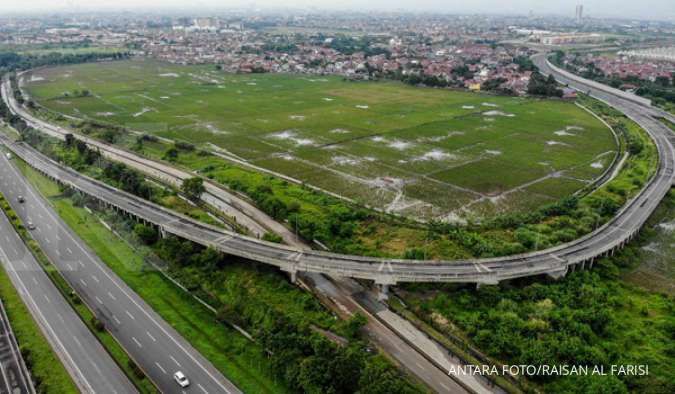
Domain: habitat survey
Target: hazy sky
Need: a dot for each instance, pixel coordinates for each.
(648, 9)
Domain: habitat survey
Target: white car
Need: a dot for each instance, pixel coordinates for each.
(181, 379)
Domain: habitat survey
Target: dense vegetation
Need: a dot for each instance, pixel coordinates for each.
(543, 86)
(591, 317)
(12, 61)
(299, 353)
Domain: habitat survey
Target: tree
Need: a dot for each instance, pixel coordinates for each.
(353, 326)
(146, 234)
(70, 139)
(193, 187)
(171, 154)
(541, 86)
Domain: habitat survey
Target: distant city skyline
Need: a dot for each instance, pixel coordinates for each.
(648, 9)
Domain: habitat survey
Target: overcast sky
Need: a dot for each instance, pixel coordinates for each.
(646, 9)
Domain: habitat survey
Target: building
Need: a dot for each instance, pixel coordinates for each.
(579, 13)
(572, 38)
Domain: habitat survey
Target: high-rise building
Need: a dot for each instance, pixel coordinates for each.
(579, 13)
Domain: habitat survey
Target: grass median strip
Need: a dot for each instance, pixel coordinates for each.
(107, 340)
(235, 356)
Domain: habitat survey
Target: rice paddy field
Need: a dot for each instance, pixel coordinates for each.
(421, 152)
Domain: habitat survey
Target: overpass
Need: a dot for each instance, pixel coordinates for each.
(556, 261)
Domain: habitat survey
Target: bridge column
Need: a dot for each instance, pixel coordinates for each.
(294, 276)
(382, 292)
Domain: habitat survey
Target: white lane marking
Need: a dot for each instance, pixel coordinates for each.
(98, 300)
(83, 282)
(69, 251)
(160, 367)
(77, 341)
(202, 388)
(174, 360)
(95, 279)
(151, 337)
(47, 240)
(47, 298)
(70, 267)
(137, 343)
(130, 315)
(35, 280)
(53, 335)
(115, 281)
(81, 264)
(112, 296)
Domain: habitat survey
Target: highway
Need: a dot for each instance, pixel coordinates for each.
(554, 261)
(384, 271)
(14, 376)
(92, 369)
(156, 347)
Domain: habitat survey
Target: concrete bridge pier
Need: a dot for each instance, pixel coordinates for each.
(382, 292)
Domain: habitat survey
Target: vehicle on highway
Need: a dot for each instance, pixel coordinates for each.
(30, 226)
(20, 199)
(181, 379)
(9, 156)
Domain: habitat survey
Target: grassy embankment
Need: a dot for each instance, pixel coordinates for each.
(49, 375)
(607, 315)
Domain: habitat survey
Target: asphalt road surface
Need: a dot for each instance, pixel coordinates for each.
(92, 369)
(156, 347)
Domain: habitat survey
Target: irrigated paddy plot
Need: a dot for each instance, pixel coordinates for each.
(417, 151)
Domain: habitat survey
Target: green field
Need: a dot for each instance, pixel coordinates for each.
(421, 152)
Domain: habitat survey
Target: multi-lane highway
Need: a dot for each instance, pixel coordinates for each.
(553, 261)
(156, 347)
(91, 367)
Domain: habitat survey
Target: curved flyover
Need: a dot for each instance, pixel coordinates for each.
(554, 261)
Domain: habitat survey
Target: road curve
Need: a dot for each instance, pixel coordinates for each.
(554, 261)
(153, 344)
